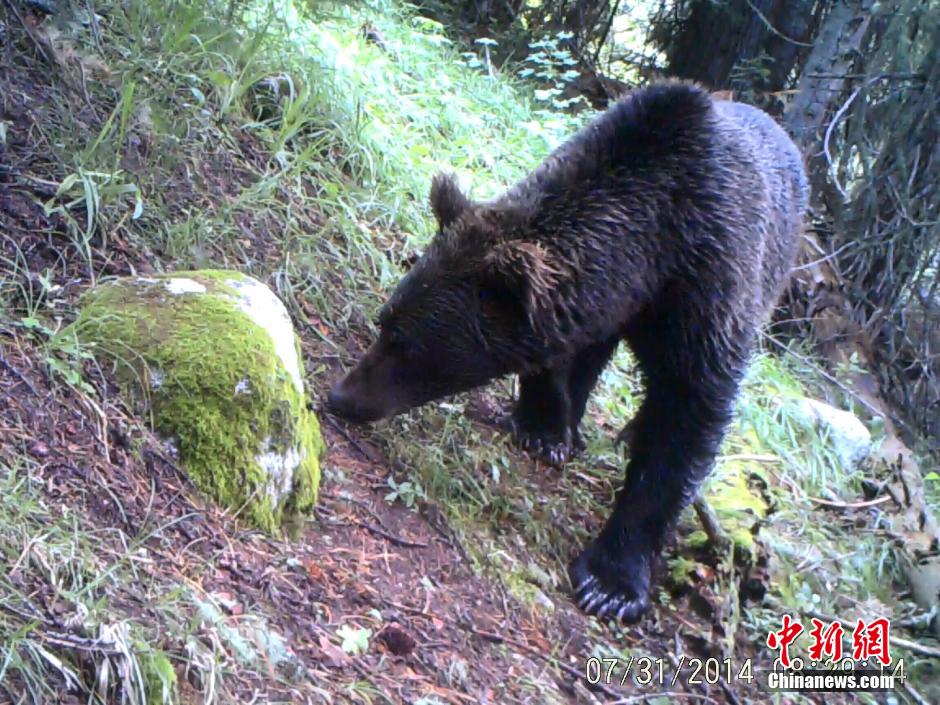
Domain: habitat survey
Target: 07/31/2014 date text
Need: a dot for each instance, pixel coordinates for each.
(645, 671)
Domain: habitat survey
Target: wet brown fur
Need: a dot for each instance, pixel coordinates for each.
(670, 222)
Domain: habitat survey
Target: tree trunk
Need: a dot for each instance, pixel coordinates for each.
(824, 79)
(737, 44)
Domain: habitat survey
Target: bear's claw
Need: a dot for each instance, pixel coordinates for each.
(611, 587)
(553, 453)
(545, 446)
(601, 603)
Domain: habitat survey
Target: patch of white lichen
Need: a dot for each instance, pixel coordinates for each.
(213, 356)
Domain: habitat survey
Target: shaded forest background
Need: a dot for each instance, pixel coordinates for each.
(857, 83)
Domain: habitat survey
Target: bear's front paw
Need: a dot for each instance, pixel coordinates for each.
(552, 448)
(612, 583)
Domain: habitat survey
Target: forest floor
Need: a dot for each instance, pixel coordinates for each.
(147, 546)
(432, 570)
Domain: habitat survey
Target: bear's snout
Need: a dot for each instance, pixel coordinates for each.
(339, 400)
(343, 402)
(368, 391)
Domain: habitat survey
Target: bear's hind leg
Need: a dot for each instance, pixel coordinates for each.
(676, 435)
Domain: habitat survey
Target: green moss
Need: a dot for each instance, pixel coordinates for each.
(737, 504)
(519, 584)
(681, 570)
(697, 539)
(212, 380)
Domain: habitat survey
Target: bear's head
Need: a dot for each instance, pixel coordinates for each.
(468, 311)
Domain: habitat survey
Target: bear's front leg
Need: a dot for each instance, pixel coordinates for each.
(674, 440)
(611, 576)
(540, 420)
(552, 402)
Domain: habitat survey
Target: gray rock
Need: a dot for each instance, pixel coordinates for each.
(850, 439)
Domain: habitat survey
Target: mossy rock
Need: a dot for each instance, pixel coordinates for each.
(213, 359)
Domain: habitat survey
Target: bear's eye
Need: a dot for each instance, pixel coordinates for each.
(400, 342)
(402, 346)
(486, 294)
(492, 301)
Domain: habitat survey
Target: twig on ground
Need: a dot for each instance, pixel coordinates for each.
(381, 529)
(29, 32)
(36, 616)
(378, 531)
(717, 538)
(371, 457)
(850, 505)
(914, 695)
(522, 646)
(95, 29)
(732, 698)
(73, 641)
(19, 375)
(363, 451)
(436, 520)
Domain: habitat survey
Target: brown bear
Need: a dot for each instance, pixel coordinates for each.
(669, 222)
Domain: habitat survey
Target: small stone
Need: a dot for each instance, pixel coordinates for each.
(396, 639)
(39, 450)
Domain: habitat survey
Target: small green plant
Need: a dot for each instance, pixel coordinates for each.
(158, 673)
(355, 641)
(63, 353)
(932, 489)
(408, 492)
(50, 552)
(91, 191)
(65, 356)
(553, 66)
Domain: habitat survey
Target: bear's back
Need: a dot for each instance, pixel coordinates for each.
(663, 158)
(781, 165)
(778, 154)
(650, 125)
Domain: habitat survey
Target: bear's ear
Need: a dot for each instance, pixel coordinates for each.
(447, 200)
(527, 270)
